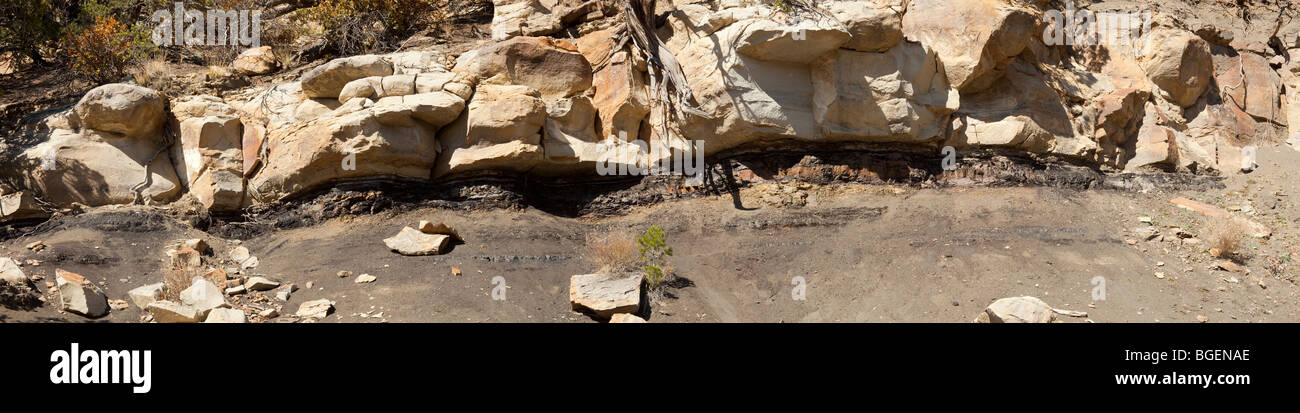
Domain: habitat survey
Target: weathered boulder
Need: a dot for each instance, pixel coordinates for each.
(349, 143)
(1291, 99)
(20, 206)
(430, 227)
(604, 295)
(260, 284)
(377, 87)
(553, 67)
(416, 62)
(144, 295)
(1017, 310)
(1259, 92)
(210, 151)
(1156, 146)
(95, 169)
(620, 96)
(256, 61)
(1219, 133)
(1020, 111)
(315, 309)
(410, 241)
(741, 98)
(1119, 115)
(626, 318)
(172, 312)
(874, 27)
(975, 39)
(107, 156)
(569, 138)
(204, 296)
(899, 95)
(10, 273)
(1179, 63)
(225, 315)
(78, 296)
(122, 109)
(512, 18)
(326, 81)
(540, 17)
(798, 41)
(500, 129)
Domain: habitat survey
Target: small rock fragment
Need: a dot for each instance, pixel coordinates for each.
(315, 308)
(260, 284)
(118, 305)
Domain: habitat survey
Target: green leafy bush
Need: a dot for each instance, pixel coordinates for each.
(654, 255)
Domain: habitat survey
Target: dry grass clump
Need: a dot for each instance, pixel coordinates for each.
(1226, 236)
(152, 73)
(612, 252)
(175, 280)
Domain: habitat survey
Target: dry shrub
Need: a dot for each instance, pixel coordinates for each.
(355, 26)
(176, 280)
(612, 252)
(152, 73)
(104, 51)
(179, 273)
(1226, 236)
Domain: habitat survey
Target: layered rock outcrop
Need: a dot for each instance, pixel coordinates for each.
(562, 77)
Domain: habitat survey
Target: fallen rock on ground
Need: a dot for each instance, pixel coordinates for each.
(196, 244)
(164, 311)
(204, 296)
(1229, 266)
(78, 296)
(20, 206)
(315, 308)
(413, 242)
(285, 291)
(10, 273)
(1253, 228)
(260, 284)
(626, 318)
(143, 295)
(365, 278)
(256, 61)
(245, 259)
(1017, 310)
(225, 315)
(605, 295)
(429, 227)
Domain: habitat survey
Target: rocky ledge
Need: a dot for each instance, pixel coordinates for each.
(561, 76)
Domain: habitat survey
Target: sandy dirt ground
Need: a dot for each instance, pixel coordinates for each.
(864, 253)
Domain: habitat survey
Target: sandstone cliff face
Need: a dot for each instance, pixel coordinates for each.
(561, 76)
